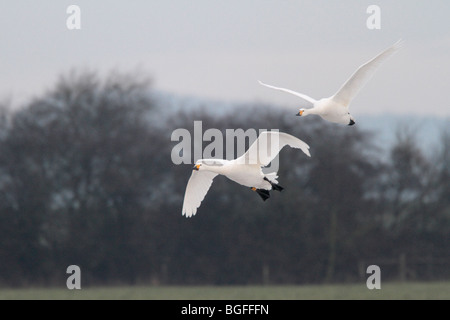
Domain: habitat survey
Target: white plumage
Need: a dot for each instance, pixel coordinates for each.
(336, 108)
(245, 170)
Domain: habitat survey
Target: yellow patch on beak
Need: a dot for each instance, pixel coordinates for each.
(253, 188)
(300, 112)
(197, 166)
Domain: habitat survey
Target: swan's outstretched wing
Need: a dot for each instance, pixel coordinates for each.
(196, 190)
(360, 77)
(307, 99)
(267, 147)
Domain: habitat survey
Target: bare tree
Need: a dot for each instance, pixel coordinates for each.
(79, 165)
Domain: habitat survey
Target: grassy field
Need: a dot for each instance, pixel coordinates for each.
(422, 290)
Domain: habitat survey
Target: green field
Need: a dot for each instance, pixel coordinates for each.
(420, 290)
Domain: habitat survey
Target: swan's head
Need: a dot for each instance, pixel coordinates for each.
(300, 112)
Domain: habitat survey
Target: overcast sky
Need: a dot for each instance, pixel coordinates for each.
(219, 49)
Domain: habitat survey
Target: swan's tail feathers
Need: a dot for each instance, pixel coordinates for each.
(264, 194)
(271, 177)
(274, 183)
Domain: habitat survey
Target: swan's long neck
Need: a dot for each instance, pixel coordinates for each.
(215, 165)
(214, 169)
(315, 110)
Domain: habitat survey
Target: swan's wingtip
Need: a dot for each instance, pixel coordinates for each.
(188, 214)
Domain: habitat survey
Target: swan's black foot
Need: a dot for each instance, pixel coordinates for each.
(277, 187)
(264, 194)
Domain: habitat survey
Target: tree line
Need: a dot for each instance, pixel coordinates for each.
(86, 179)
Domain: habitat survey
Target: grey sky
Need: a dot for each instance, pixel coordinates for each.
(219, 49)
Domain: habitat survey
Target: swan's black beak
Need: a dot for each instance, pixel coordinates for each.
(351, 122)
(196, 167)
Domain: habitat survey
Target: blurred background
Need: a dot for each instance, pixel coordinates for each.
(86, 118)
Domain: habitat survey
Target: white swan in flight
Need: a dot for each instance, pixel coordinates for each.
(245, 170)
(336, 108)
